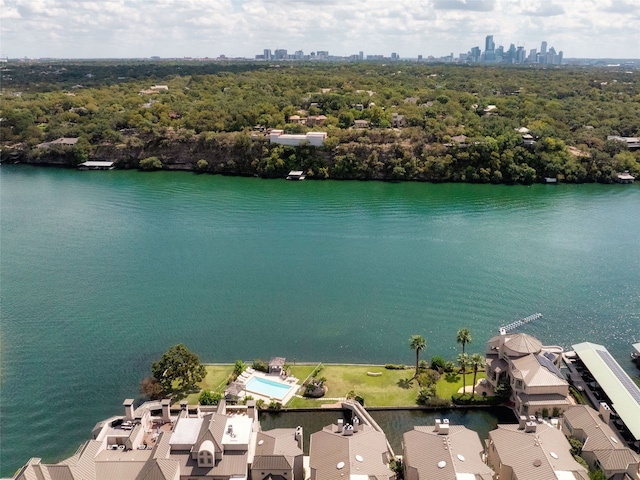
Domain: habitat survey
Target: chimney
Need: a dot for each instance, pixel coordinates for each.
(530, 427)
(437, 426)
(605, 412)
(522, 422)
(299, 437)
(128, 409)
(348, 430)
(166, 410)
(356, 423)
(532, 418)
(251, 409)
(444, 428)
(340, 425)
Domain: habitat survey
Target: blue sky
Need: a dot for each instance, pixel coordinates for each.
(200, 28)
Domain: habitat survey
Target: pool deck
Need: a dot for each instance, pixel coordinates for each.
(290, 382)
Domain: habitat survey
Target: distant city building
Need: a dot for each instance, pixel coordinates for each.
(280, 54)
(267, 54)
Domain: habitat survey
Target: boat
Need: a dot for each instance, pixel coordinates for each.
(296, 175)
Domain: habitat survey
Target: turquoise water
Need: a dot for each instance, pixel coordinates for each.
(267, 388)
(101, 272)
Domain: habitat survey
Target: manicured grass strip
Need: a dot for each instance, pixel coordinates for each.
(216, 381)
(450, 383)
(391, 388)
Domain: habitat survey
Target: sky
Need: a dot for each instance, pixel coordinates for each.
(243, 28)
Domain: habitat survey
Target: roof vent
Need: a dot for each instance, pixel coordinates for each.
(553, 454)
(614, 440)
(340, 465)
(260, 442)
(460, 457)
(442, 464)
(359, 458)
(537, 462)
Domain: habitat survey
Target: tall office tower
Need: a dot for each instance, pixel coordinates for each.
(489, 49)
(560, 55)
(280, 54)
(267, 54)
(520, 55)
(510, 56)
(361, 55)
(475, 54)
(533, 54)
(542, 56)
(299, 55)
(543, 48)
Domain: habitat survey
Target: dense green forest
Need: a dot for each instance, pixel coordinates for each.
(456, 123)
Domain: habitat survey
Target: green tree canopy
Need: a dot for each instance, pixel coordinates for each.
(464, 337)
(417, 343)
(178, 369)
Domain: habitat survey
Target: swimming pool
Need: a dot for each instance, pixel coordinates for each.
(267, 388)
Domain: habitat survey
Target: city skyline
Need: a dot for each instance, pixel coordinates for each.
(242, 28)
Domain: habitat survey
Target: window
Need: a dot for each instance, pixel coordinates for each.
(205, 459)
(519, 384)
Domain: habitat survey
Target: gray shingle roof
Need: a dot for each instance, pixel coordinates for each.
(460, 449)
(530, 454)
(332, 454)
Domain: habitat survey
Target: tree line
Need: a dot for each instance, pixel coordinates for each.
(458, 123)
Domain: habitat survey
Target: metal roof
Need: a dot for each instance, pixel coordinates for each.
(623, 393)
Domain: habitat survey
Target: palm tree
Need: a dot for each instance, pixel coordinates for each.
(417, 343)
(464, 362)
(477, 361)
(464, 337)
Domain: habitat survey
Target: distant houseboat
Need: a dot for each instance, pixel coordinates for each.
(625, 177)
(296, 175)
(96, 166)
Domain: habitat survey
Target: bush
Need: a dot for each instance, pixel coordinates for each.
(239, 367)
(150, 163)
(468, 399)
(395, 366)
(260, 365)
(274, 405)
(260, 404)
(151, 388)
(202, 165)
(438, 363)
(359, 399)
(207, 397)
(449, 367)
(581, 461)
(425, 394)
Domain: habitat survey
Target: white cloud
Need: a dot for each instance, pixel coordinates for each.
(135, 28)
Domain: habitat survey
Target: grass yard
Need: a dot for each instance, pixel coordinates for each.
(216, 381)
(450, 383)
(390, 388)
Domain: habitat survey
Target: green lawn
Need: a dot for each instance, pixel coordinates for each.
(449, 384)
(216, 381)
(390, 388)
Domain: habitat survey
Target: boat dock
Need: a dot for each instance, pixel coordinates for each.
(519, 323)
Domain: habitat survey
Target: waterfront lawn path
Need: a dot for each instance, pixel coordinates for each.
(391, 388)
(215, 380)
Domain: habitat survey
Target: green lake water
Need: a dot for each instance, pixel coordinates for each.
(100, 272)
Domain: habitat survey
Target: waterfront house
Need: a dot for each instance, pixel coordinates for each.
(602, 447)
(349, 451)
(63, 141)
(532, 451)
(398, 121)
(632, 143)
(209, 444)
(315, 139)
(442, 452)
(278, 455)
(532, 371)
